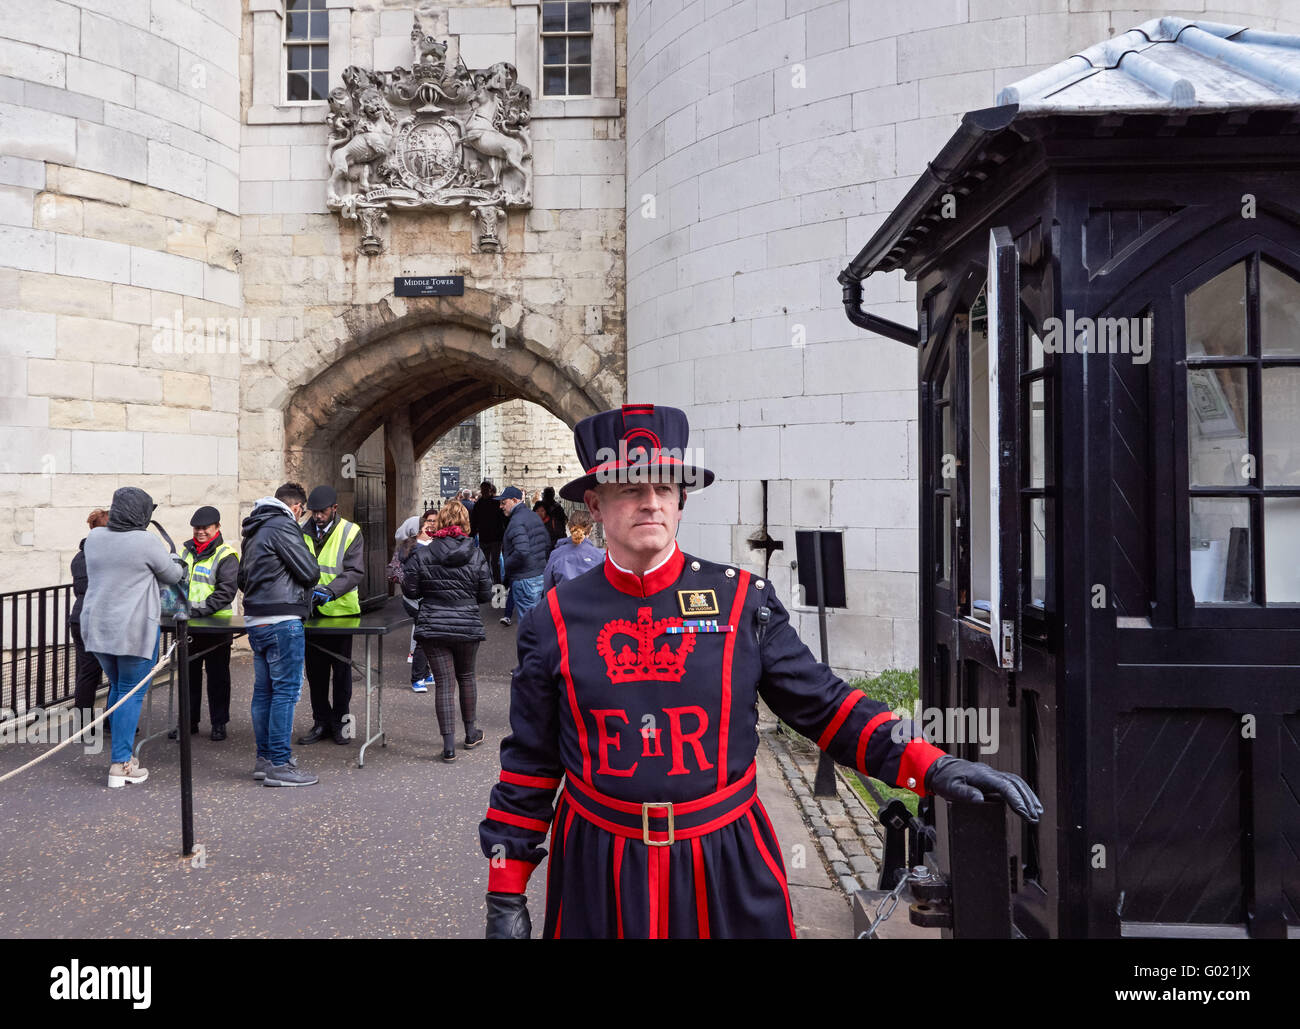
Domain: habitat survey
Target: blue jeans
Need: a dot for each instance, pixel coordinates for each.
(525, 593)
(277, 685)
(124, 671)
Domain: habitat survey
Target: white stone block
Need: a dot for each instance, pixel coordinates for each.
(880, 406)
(827, 28)
(112, 151)
(131, 49)
(16, 206)
(37, 135)
(257, 198)
(305, 162)
(178, 22)
(33, 450)
(784, 411)
(130, 385)
(461, 20)
(223, 188)
(835, 74)
(27, 334)
(777, 290)
(746, 183)
(590, 157)
(483, 51)
(883, 18)
(221, 286)
(870, 449)
(740, 377)
(557, 191)
(50, 23)
(842, 160)
(298, 196)
(806, 243)
(33, 63)
(774, 46)
(133, 12)
(880, 503)
(107, 453)
(886, 104)
(177, 171)
(897, 550)
(265, 163)
(391, 51)
(960, 47)
(21, 171)
(169, 454)
(815, 121)
(607, 191)
(167, 272)
(28, 249)
(810, 502)
(31, 411)
(86, 258)
(99, 80)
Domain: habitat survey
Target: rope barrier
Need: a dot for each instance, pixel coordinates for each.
(96, 721)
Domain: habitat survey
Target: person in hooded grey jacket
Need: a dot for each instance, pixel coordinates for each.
(125, 564)
(450, 579)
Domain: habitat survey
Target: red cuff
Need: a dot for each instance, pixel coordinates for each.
(917, 758)
(507, 876)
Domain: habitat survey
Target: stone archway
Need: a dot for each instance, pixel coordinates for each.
(417, 367)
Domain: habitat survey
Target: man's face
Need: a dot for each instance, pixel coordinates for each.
(203, 533)
(324, 517)
(508, 505)
(638, 517)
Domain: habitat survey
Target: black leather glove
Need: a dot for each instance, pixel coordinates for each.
(507, 917)
(955, 779)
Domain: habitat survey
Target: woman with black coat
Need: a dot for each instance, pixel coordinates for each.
(88, 673)
(450, 579)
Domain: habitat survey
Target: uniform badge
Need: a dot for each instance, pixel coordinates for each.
(698, 602)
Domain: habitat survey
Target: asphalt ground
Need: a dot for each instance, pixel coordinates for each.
(388, 850)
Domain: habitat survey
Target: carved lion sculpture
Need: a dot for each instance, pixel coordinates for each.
(355, 158)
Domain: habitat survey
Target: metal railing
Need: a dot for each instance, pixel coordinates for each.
(38, 655)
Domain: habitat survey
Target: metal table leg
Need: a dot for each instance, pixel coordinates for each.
(374, 685)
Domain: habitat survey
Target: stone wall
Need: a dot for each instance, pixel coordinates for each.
(526, 446)
(459, 448)
(119, 282)
(767, 141)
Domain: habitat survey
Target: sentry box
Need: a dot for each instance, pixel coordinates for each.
(1108, 300)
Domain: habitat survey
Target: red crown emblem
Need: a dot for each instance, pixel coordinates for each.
(667, 664)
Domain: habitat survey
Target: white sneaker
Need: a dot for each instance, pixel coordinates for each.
(505, 620)
(121, 773)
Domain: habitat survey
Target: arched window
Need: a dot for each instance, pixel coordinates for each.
(1243, 435)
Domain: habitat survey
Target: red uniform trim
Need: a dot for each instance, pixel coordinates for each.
(865, 735)
(510, 877)
(915, 761)
(852, 700)
(537, 782)
(638, 408)
(777, 870)
(664, 857)
(562, 637)
(652, 887)
(497, 815)
(550, 865)
(619, 843)
(701, 890)
(647, 585)
(686, 807)
(728, 650)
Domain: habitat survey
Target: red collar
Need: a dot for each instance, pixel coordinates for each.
(652, 582)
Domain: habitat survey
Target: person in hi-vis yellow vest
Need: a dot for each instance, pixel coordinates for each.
(213, 568)
(337, 545)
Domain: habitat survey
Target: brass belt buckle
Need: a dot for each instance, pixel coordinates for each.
(645, 826)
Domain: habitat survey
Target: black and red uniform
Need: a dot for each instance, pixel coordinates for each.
(633, 715)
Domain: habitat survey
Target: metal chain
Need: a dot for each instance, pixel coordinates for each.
(887, 903)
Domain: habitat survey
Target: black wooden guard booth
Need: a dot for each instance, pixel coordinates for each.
(1108, 284)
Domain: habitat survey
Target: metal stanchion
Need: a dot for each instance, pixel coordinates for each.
(183, 733)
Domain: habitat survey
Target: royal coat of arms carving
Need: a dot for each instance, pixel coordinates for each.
(429, 137)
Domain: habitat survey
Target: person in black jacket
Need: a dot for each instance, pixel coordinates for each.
(450, 579)
(276, 574)
(488, 523)
(88, 672)
(557, 521)
(524, 549)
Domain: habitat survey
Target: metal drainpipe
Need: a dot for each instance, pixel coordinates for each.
(865, 320)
